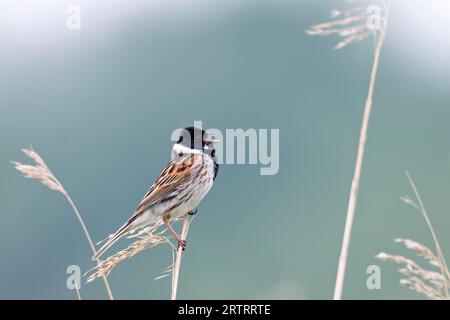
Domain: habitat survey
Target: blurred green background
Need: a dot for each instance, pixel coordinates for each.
(99, 104)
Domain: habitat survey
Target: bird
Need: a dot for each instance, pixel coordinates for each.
(179, 188)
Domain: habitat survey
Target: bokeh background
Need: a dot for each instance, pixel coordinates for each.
(99, 104)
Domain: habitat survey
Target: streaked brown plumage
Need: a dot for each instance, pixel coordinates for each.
(178, 189)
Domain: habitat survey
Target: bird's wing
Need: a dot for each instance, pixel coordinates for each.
(176, 172)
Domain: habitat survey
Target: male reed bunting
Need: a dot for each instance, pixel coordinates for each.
(180, 187)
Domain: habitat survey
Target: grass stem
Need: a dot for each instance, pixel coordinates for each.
(358, 166)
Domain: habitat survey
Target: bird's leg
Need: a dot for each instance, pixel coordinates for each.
(192, 212)
(181, 243)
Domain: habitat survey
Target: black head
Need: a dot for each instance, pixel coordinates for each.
(193, 138)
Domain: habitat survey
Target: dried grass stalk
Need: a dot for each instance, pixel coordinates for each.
(148, 237)
(428, 282)
(421, 208)
(78, 292)
(177, 263)
(352, 26)
(41, 172)
(434, 283)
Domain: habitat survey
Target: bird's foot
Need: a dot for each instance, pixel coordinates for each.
(182, 244)
(192, 212)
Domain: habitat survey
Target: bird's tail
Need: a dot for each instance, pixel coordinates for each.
(112, 239)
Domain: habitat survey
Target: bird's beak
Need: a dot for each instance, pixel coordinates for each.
(211, 141)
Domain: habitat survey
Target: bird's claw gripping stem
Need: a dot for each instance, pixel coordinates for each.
(182, 244)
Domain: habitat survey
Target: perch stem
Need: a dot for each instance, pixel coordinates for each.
(177, 264)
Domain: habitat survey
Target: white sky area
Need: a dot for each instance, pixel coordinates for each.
(419, 35)
(23, 20)
(420, 28)
(27, 15)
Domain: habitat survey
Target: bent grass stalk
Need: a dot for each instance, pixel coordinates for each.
(434, 285)
(41, 172)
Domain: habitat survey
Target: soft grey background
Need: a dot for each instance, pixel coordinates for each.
(100, 104)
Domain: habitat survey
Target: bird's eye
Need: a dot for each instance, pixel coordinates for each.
(213, 153)
(180, 154)
(180, 139)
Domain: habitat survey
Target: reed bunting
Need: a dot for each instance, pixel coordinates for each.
(180, 187)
